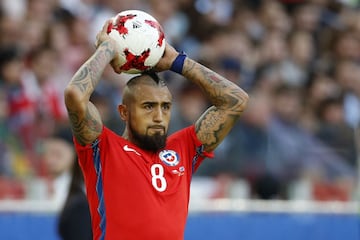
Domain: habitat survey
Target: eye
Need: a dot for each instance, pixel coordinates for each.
(166, 106)
(148, 106)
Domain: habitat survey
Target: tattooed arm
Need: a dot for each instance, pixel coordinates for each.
(228, 100)
(84, 118)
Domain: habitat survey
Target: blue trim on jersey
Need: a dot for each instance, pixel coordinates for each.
(199, 152)
(99, 188)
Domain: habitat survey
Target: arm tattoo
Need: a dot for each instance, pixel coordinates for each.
(221, 92)
(213, 126)
(88, 76)
(84, 117)
(80, 79)
(228, 101)
(87, 129)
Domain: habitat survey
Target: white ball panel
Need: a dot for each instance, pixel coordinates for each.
(140, 36)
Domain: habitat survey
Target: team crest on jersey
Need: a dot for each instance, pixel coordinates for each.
(169, 157)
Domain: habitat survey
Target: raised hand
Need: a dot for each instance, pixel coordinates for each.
(103, 39)
(167, 59)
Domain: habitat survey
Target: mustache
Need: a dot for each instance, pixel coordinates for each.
(157, 127)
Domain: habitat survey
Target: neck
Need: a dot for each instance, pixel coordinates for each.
(125, 134)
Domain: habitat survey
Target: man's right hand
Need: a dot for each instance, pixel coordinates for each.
(102, 38)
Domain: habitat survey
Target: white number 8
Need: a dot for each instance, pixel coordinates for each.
(157, 173)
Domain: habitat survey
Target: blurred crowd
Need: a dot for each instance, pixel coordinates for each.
(298, 60)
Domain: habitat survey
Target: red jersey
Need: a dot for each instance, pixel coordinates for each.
(135, 194)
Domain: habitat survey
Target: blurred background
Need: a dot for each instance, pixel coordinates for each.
(298, 140)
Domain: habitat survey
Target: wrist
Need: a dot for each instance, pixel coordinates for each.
(178, 64)
(109, 47)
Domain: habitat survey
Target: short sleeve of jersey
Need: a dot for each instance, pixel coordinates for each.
(190, 145)
(83, 152)
(105, 136)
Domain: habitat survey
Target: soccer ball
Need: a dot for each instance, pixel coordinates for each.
(140, 38)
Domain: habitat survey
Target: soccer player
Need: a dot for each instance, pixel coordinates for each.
(138, 184)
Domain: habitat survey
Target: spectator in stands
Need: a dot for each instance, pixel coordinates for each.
(334, 131)
(58, 156)
(19, 115)
(294, 152)
(41, 87)
(320, 86)
(74, 221)
(347, 75)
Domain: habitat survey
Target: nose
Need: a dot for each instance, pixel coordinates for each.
(158, 115)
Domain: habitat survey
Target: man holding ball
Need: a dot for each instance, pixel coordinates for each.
(138, 184)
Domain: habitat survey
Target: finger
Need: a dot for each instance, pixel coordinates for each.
(106, 26)
(97, 40)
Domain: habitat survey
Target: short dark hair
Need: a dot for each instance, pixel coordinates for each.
(8, 54)
(151, 73)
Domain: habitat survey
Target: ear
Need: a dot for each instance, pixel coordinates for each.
(123, 111)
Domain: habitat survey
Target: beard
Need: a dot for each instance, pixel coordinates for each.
(150, 143)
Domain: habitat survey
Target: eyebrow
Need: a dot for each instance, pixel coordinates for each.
(154, 102)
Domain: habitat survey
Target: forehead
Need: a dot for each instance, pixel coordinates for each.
(150, 93)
